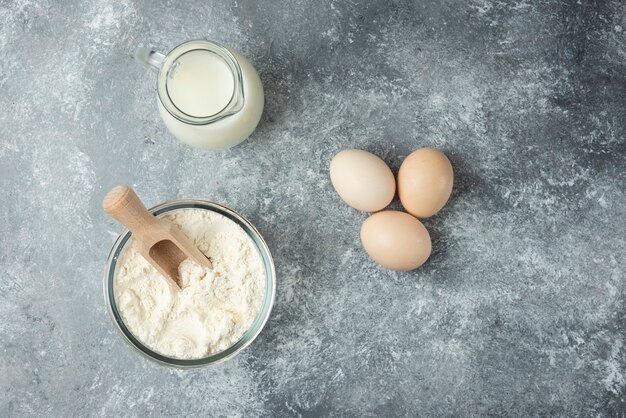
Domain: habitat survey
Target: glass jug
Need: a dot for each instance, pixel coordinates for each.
(209, 96)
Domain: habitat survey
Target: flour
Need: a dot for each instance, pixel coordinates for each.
(214, 308)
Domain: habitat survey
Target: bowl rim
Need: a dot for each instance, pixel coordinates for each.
(246, 339)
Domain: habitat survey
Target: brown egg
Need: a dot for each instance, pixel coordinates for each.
(396, 240)
(362, 180)
(425, 182)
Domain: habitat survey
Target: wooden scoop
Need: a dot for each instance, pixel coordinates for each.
(160, 242)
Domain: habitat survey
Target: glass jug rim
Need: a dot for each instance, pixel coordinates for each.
(236, 101)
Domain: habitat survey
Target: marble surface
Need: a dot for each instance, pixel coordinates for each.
(519, 311)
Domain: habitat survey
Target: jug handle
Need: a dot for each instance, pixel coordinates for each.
(150, 58)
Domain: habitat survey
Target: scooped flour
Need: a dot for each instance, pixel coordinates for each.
(213, 309)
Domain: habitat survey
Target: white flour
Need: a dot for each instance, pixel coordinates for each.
(213, 309)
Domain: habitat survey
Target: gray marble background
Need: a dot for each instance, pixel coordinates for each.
(519, 311)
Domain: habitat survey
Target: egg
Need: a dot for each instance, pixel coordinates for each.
(425, 182)
(362, 180)
(396, 240)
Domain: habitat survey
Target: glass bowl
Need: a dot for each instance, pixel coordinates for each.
(246, 339)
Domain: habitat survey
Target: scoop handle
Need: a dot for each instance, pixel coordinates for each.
(122, 204)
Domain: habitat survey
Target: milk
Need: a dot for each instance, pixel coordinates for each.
(214, 87)
(200, 84)
(209, 96)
